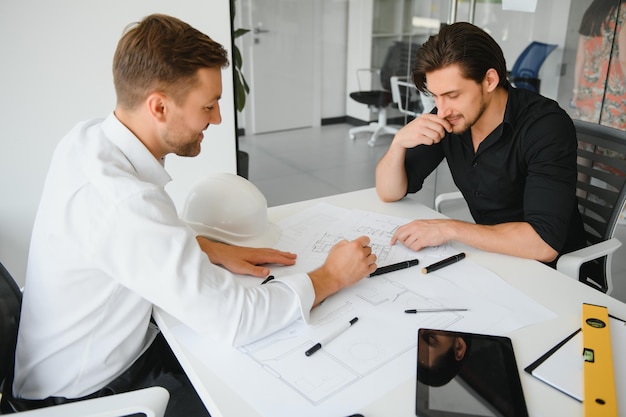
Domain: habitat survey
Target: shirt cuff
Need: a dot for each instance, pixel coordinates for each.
(302, 286)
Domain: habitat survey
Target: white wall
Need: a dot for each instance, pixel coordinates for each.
(56, 71)
(334, 47)
(359, 54)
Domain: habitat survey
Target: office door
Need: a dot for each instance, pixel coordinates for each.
(283, 91)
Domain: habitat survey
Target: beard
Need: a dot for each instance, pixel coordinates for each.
(183, 142)
(190, 149)
(469, 122)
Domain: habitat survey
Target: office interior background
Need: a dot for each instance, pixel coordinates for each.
(301, 59)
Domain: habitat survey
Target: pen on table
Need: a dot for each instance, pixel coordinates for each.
(268, 279)
(394, 267)
(330, 337)
(448, 261)
(434, 310)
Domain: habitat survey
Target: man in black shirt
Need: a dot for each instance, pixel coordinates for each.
(511, 152)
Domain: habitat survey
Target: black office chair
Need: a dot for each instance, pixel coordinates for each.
(398, 62)
(148, 401)
(601, 195)
(525, 72)
(10, 304)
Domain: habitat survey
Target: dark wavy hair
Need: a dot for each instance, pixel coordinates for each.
(464, 44)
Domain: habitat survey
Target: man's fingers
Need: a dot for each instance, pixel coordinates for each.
(363, 240)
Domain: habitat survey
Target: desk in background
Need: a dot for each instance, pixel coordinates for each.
(561, 294)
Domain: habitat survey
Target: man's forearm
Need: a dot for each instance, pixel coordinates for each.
(515, 238)
(391, 181)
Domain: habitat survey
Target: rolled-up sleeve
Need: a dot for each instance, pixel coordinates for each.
(549, 194)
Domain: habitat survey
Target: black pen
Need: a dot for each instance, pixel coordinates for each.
(448, 261)
(434, 310)
(330, 337)
(268, 279)
(395, 267)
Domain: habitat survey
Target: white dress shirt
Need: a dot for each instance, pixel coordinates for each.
(107, 246)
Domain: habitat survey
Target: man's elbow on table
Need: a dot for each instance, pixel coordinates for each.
(546, 253)
(387, 198)
(538, 249)
(388, 193)
(542, 251)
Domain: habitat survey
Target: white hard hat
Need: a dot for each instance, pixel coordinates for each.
(230, 209)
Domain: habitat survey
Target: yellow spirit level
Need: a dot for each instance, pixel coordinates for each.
(599, 397)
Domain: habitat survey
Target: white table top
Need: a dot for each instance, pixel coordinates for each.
(561, 294)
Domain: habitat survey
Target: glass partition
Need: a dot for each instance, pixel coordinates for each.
(598, 93)
(581, 67)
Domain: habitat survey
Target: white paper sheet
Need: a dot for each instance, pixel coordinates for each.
(564, 368)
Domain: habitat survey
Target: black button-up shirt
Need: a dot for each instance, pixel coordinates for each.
(524, 171)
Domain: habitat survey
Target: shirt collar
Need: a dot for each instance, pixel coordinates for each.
(145, 164)
(502, 128)
(509, 111)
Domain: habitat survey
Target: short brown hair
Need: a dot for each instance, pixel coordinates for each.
(161, 53)
(463, 44)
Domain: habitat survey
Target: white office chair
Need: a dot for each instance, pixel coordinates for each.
(149, 401)
(442, 198)
(408, 98)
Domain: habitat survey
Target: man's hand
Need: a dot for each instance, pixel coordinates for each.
(427, 129)
(391, 180)
(244, 260)
(512, 238)
(347, 263)
(419, 234)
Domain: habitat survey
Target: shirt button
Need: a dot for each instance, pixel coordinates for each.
(475, 164)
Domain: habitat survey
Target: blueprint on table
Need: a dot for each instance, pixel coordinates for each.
(378, 352)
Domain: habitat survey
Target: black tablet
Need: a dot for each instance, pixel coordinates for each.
(467, 375)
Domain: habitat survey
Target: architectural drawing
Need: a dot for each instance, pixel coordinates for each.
(358, 352)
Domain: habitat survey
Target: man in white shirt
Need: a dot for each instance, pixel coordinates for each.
(108, 245)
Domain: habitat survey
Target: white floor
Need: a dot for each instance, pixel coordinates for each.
(302, 164)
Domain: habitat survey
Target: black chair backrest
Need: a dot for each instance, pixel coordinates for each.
(601, 179)
(398, 62)
(600, 187)
(10, 304)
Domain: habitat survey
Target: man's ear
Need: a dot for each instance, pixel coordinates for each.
(491, 80)
(460, 347)
(157, 106)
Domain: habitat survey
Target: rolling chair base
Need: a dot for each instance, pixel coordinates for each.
(375, 129)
